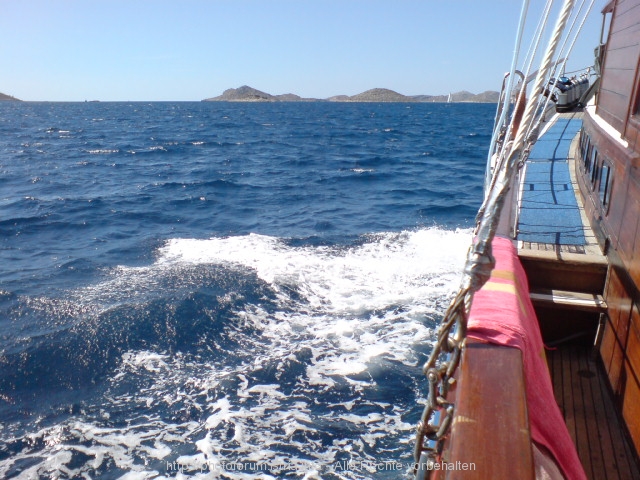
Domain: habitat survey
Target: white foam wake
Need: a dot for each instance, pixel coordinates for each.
(346, 311)
(358, 303)
(389, 269)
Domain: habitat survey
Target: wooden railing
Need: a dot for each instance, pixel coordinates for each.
(490, 436)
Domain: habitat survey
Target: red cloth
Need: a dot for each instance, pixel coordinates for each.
(502, 314)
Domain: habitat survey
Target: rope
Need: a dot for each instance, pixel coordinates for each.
(535, 39)
(564, 63)
(575, 37)
(543, 101)
(533, 48)
(477, 271)
(530, 110)
(545, 67)
(507, 98)
(490, 211)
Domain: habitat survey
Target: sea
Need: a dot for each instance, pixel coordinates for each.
(226, 290)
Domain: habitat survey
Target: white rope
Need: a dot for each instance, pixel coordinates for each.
(577, 34)
(513, 150)
(507, 98)
(546, 65)
(531, 54)
(503, 154)
(543, 101)
(535, 39)
(535, 44)
(564, 63)
(518, 151)
(480, 252)
(477, 271)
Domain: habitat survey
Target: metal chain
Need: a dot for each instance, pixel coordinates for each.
(440, 378)
(437, 416)
(438, 413)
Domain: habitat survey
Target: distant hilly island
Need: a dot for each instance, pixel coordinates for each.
(248, 94)
(8, 97)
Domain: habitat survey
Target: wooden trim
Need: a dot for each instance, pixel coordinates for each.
(609, 7)
(491, 425)
(564, 271)
(589, 302)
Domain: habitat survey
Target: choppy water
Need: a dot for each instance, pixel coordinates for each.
(235, 291)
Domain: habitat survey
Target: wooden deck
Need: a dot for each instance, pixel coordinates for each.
(552, 247)
(581, 390)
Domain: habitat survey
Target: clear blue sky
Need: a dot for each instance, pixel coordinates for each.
(67, 50)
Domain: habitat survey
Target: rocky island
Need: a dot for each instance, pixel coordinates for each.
(8, 98)
(249, 94)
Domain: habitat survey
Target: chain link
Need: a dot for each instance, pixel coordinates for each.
(438, 412)
(443, 362)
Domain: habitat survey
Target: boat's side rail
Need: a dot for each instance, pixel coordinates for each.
(490, 436)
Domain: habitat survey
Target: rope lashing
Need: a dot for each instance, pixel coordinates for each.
(438, 413)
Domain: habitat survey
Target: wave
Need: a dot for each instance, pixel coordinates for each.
(238, 348)
(216, 184)
(387, 269)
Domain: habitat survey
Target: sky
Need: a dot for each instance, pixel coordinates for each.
(182, 50)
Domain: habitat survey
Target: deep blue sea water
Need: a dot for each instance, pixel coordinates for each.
(214, 290)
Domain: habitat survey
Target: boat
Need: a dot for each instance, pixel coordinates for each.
(535, 372)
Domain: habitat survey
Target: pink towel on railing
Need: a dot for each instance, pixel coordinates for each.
(502, 314)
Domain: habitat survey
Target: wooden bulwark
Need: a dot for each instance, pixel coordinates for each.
(620, 350)
(552, 269)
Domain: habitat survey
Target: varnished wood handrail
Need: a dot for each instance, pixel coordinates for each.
(490, 437)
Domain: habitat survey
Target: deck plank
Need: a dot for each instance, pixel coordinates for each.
(604, 434)
(567, 393)
(584, 397)
(583, 444)
(586, 374)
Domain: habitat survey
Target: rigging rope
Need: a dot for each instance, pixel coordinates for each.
(543, 109)
(438, 414)
(543, 102)
(507, 97)
(507, 132)
(531, 53)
